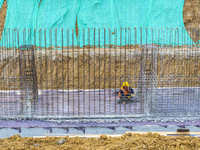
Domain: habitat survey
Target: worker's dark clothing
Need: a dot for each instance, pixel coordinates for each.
(125, 91)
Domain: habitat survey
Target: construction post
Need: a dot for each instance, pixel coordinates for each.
(147, 83)
(153, 80)
(28, 81)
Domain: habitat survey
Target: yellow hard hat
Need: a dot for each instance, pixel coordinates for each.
(125, 84)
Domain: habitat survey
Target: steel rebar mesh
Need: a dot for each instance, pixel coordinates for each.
(78, 76)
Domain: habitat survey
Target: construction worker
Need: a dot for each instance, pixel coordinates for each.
(126, 91)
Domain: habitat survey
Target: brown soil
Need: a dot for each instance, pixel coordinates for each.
(3, 17)
(191, 18)
(73, 71)
(128, 141)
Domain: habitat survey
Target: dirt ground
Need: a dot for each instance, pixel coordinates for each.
(191, 18)
(127, 141)
(57, 70)
(3, 16)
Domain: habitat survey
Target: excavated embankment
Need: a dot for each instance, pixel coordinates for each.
(57, 69)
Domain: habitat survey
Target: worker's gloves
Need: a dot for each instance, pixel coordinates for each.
(129, 97)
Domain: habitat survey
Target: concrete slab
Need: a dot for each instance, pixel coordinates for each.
(7, 132)
(101, 130)
(30, 132)
(63, 131)
(75, 131)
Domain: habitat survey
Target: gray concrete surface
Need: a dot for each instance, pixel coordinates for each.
(35, 132)
(100, 103)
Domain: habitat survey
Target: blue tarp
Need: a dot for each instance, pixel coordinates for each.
(51, 14)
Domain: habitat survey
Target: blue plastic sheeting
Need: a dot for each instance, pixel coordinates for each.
(52, 14)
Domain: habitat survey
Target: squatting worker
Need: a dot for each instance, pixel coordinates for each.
(125, 90)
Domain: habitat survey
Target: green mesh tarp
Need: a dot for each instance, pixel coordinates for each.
(33, 15)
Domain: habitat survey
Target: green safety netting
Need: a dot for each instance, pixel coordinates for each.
(58, 14)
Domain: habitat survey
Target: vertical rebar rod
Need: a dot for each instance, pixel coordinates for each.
(84, 71)
(73, 69)
(29, 37)
(1, 57)
(115, 44)
(198, 81)
(63, 98)
(7, 75)
(148, 84)
(99, 44)
(78, 73)
(187, 70)
(109, 71)
(46, 74)
(167, 68)
(192, 71)
(40, 69)
(89, 65)
(142, 97)
(20, 71)
(104, 70)
(56, 60)
(178, 85)
(136, 58)
(51, 67)
(68, 99)
(120, 62)
(195, 65)
(198, 48)
(189, 101)
(4, 73)
(173, 71)
(157, 51)
(11, 49)
(94, 73)
(13, 74)
(125, 75)
(130, 58)
(182, 68)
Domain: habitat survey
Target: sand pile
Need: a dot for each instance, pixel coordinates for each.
(127, 141)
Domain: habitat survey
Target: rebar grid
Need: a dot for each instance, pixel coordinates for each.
(77, 76)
